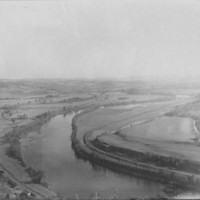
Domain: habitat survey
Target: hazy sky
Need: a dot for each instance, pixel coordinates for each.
(100, 38)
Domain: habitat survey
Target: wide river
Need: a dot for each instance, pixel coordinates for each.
(51, 152)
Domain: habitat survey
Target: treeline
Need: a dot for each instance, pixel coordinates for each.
(9, 107)
(123, 103)
(134, 168)
(140, 163)
(76, 99)
(13, 137)
(146, 157)
(160, 161)
(36, 175)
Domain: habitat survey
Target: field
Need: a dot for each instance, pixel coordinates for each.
(146, 135)
(172, 129)
(115, 114)
(21, 102)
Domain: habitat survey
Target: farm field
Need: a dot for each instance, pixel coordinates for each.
(146, 130)
(172, 129)
(99, 100)
(115, 115)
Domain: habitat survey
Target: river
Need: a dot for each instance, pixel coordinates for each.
(51, 152)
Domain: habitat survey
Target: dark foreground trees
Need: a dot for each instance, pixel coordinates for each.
(36, 175)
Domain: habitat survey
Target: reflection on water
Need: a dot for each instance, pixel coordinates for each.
(69, 175)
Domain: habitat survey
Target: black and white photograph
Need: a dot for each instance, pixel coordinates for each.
(99, 99)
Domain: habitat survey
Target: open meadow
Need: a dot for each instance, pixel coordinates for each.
(114, 121)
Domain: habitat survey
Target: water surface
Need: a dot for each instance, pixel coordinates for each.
(51, 152)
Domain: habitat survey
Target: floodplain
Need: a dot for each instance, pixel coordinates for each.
(144, 137)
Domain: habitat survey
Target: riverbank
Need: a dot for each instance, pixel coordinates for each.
(169, 170)
(13, 140)
(13, 149)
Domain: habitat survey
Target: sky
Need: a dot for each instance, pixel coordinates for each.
(153, 39)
